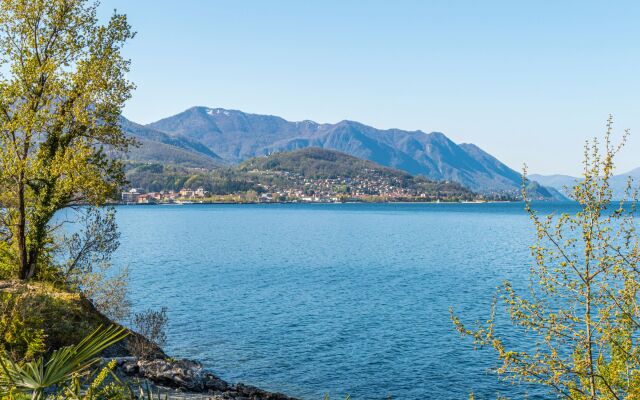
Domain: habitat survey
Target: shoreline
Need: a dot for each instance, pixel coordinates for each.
(183, 378)
(314, 203)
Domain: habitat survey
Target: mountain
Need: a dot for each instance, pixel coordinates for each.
(156, 146)
(536, 191)
(236, 136)
(319, 163)
(564, 183)
(556, 181)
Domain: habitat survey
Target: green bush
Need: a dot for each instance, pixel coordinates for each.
(38, 318)
(21, 333)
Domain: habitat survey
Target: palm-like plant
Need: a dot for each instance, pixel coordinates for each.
(63, 365)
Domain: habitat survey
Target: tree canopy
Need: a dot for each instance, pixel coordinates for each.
(62, 89)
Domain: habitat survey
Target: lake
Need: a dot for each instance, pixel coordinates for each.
(335, 298)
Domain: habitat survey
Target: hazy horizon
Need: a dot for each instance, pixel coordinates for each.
(525, 82)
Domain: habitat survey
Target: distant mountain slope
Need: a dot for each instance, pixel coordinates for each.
(556, 181)
(564, 183)
(156, 146)
(325, 174)
(236, 136)
(322, 165)
(319, 163)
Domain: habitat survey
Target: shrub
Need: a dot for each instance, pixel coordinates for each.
(38, 318)
(152, 325)
(21, 335)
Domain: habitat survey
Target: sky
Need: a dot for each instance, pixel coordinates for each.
(527, 81)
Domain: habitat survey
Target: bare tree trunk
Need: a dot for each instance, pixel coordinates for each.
(32, 264)
(22, 232)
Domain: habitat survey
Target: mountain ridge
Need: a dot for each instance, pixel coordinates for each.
(564, 183)
(236, 136)
(154, 146)
(223, 136)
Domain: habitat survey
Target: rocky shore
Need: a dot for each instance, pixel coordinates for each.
(188, 379)
(71, 317)
(176, 379)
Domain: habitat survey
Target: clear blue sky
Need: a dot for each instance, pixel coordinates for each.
(526, 81)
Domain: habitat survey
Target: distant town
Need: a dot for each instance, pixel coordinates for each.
(284, 186)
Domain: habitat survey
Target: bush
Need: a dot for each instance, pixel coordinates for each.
(38, 318)
(152, 325)
(21, 335)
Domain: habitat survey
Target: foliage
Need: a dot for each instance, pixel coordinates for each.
(21, 334)
(582, 308)
(151, 324)
(92, 245)
(95, 386)
(86, 256)
(108, 292)
(62, 88)
(442, 189)
(157, 177)
(43, 318)
(66, 366)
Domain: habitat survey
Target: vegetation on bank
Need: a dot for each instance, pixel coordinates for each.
(62, 88)
(68, 369)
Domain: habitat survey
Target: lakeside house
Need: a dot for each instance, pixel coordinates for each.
(132, 195)
(139, 196)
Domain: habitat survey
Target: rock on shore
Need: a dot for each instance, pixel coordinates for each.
(190, 376)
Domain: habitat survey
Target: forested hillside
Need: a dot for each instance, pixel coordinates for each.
(320, 163)
(302, 173)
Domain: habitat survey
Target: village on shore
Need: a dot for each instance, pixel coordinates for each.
(302, 190)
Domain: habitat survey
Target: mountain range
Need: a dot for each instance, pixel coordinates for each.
(564, 183)
(156, 146)
(209, 137)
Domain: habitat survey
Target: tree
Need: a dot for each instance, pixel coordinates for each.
(87, 254)
(62, 88)
(582, 310)
(151, 325)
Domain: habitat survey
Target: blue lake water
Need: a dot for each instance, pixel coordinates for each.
(338, 299)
